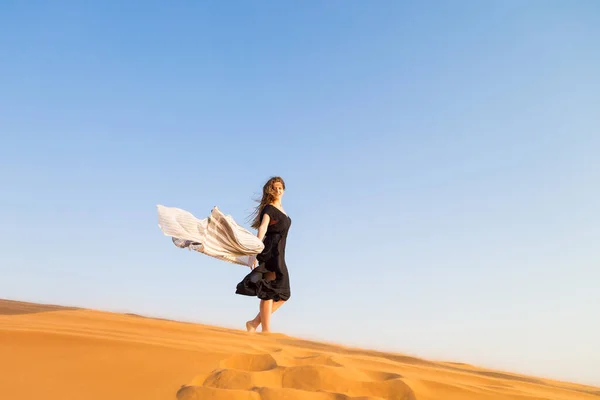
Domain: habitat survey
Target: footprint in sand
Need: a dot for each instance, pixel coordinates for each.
(279, 376)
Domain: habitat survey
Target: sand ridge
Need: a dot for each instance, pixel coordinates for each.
(281, 375)
(56, 352)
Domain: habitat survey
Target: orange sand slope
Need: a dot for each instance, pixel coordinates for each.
(63, 353)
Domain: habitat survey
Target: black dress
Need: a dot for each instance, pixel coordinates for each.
(271, 259)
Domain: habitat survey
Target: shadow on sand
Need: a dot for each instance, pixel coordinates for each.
(11, 307)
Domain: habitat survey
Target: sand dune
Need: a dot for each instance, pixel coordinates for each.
(54, 352)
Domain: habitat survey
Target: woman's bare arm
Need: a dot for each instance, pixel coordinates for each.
(262, 231)
(264, 225)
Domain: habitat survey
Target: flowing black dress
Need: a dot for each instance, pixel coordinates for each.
(271, 259)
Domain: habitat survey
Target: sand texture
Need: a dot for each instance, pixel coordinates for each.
(60, 353)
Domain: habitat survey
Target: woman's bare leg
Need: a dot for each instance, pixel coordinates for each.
(267, 307)
(253, 324)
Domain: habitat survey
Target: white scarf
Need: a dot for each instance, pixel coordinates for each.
(216, 236)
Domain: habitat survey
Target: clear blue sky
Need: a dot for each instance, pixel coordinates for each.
(441, 160)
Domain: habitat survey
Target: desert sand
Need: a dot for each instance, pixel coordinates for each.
(52, 352)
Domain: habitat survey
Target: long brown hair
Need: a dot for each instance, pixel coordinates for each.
(268, 196)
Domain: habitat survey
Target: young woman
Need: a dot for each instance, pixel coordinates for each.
(269, 281)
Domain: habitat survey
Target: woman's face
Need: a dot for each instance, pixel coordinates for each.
(278, 189)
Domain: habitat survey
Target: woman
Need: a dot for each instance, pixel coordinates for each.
(270, 280)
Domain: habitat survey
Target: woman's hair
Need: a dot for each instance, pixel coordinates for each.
(268, 196)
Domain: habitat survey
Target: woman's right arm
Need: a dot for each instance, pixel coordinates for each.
(264, 225)
(262, 231)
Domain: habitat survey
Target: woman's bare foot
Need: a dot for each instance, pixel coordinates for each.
(250, 327)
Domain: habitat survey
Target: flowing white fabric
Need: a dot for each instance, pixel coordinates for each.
(216, 236)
